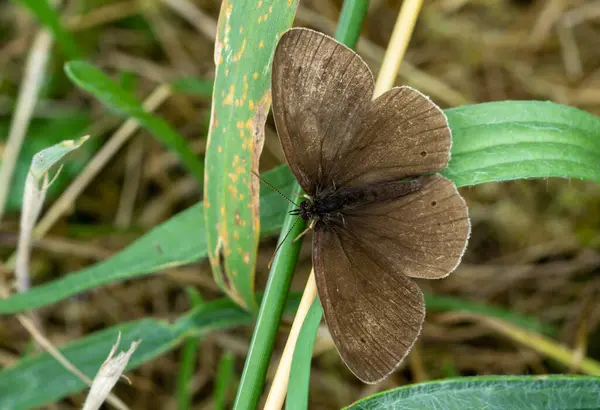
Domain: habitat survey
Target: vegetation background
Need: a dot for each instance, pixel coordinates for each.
(535, 247)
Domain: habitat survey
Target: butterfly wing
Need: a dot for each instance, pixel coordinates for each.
(374, 315)
(321, 90)
(403, 134)
(422, 235)
(373, 309)
(330, 130)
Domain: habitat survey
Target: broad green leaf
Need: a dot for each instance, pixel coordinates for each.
(298, 387)
(41, 134)
(559, 392)
(507, 140)
(161, 248)
(38, 380)
(246, 37)
(46, 14)
(110, 93)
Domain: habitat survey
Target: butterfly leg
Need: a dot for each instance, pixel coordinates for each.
(311, 226)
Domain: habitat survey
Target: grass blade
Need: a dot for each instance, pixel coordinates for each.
(46, 14)
(110, 93)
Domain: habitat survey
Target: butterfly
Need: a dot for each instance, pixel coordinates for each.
(381, 213)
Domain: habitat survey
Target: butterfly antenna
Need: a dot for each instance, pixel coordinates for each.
(281, 243)
(275, 189)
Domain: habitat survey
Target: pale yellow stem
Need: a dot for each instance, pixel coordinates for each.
(397, 46)
(279, 387)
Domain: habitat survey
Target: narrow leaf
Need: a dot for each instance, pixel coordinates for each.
(46, 14)
(110, 93)
(40, 379)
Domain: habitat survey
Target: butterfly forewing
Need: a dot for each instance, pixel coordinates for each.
(320, 92)
(403, 134)
(374, 316)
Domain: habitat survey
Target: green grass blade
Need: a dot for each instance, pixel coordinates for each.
(187, 361)
(297, 396)
(224, 379)
(111, 94)
(159, 249)
(351, 21)
(438, 303)
(246, 37)
(48, 16)
(559, 392)
(40, 379)
(269, 314)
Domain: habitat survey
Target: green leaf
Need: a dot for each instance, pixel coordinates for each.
(48, 16)
(298, 387)
(223, 382)
(110, 93)
(41, 134)
(40, 379)
(246, 37)
(507, 140)
(159, 249)
(559, 392)
(188, 359)
(45, 159)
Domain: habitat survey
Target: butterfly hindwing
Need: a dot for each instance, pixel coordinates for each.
(422, 235)
(373, 315)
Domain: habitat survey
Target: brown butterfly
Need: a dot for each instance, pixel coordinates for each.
(381, 215)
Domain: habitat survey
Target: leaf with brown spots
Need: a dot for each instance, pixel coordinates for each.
(247, 34)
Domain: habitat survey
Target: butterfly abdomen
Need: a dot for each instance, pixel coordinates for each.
(368, 194)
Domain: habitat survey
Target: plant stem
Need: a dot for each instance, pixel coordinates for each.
(279, 387)
(223, 380)
(351, 21)
(394, 53)
(269, 314)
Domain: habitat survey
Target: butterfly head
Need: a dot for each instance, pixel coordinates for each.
(306, 210)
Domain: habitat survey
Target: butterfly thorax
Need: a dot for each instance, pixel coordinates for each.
(328, 206)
